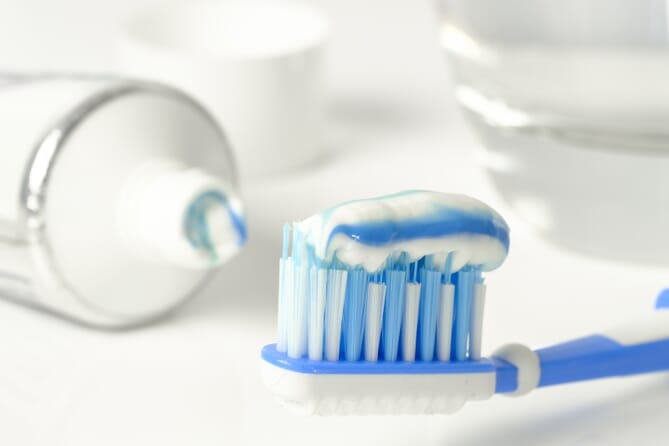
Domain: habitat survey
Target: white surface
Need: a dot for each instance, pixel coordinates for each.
(195, 378)
(256, 64)
(655, 327)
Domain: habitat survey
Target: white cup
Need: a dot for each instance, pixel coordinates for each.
(255, 64)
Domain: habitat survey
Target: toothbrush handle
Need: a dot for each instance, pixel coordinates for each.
(600, 356)
(635, 349)
(638, 348)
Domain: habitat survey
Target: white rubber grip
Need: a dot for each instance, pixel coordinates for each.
(527, 363)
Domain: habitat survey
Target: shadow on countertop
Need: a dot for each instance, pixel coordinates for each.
(635, 414)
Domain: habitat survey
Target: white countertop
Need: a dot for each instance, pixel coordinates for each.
(194, 378)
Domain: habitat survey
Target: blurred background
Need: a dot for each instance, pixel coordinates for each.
(554, 113)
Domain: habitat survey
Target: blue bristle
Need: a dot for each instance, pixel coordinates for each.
(297, 248)
(479, 276)
(464, 291)
(392, 313)
(413, 272)
(354, 313)
(448, 268)
(396, 274)
(428, 313)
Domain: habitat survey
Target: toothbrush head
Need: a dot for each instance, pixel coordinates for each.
(381, 306)
(326, 388)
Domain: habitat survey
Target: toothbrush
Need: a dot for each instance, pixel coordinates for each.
(381, 312)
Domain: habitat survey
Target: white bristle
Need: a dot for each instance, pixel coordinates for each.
(410, 321)
(285, 289)
(312, 301)
(445, 322)
(316, 312)
(334, 308)
(297, 314)
(376, 294)
(476, 333)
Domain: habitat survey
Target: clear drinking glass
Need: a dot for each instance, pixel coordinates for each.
(571, 101)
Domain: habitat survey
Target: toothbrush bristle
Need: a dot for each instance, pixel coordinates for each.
(407, 311)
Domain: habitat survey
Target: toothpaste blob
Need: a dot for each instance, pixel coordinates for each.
(370, 232)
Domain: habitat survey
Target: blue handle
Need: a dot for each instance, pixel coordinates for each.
(598, 357)
(645, 349)
(640, 348)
